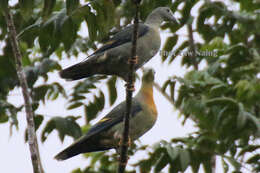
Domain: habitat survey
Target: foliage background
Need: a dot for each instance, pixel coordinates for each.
(221, 97)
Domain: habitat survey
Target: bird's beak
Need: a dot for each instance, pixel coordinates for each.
(174, 20)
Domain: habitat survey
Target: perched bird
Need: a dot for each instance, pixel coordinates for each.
(112, 57)
(106, 134)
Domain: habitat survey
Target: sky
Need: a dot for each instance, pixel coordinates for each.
(15, 155)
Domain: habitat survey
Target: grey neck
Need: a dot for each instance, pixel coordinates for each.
(154, 20)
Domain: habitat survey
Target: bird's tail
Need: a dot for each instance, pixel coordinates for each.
(82, 145)
(69, 152)
(78, 71)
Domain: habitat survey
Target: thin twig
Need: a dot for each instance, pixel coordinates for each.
(129, 92)
(32, 139)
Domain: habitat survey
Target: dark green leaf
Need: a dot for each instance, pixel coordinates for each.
(111, 84)
(68, 27)
(71, 5)
(168, 47)
(3, 118)
(65, 126)
(92, 25)
(161, 163)
(3, 5)
(26, 7)
(38, 119)
(184, 159)
(173, 152)
(100, 100)
(222, 101)
(91, 111)
(48, 7)
(234, 163)
(254, 159)
(207, 166)
(242, 118)
(249, 148)
(75, 105)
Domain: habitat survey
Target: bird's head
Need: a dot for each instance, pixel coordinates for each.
(148, 76)
(160, 14)
(167, 14)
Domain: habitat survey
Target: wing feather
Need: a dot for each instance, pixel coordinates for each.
(122, 37)
(114, 117)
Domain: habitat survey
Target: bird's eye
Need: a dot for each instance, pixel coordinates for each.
(168, 10)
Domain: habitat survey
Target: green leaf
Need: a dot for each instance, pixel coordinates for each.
(65, 126)
(100, 100)
(78, 170)
(161, 163)
(241, 117)
(255, 120)
(71, 5)
(26, 7)
(173, 152)
(179, 50)
(3, 118)
(165, 85)
(196, 160)
(75, 105)
(184, 159)
(3, 5)
(48, 7)
(38, 119)
(29, 29)
(248, 148)
(254, 159)
(91, 111)
(111, 84)
(207, 166)
(168, 46)
(234, 163)
(77, 98)
(186, 11)
(222, 101)
(68, 26)
(80, 13)
(92, 25)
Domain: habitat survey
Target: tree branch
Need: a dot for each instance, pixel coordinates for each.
(32, 139)
(129, 93)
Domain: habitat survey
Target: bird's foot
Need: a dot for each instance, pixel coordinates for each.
(130, 87)
(133, 60)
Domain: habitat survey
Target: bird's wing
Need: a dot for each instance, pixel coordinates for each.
(114, 117)
(122, 37)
